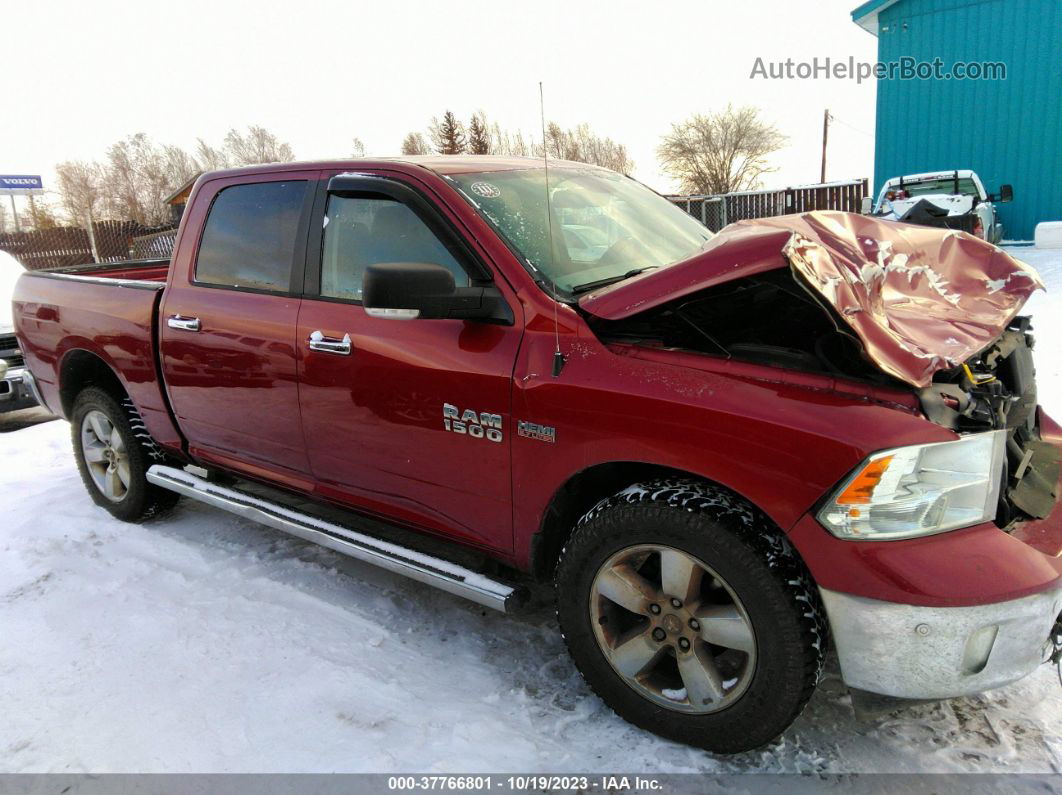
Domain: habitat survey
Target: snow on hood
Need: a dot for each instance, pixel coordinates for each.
(920, 299)
(10, 270)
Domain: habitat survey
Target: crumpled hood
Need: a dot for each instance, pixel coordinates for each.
(920, 299)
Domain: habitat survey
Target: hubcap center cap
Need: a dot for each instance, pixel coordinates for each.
(672, 624)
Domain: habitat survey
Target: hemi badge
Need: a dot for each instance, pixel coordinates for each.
(532, 430)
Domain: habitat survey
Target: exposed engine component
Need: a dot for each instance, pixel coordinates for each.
(770, 319)
(996, 389)
(773, 319)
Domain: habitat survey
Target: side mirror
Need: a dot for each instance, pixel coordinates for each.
(867, 205)
(1006, 193)
(403, 291)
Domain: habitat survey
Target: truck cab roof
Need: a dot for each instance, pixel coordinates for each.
(441, 164)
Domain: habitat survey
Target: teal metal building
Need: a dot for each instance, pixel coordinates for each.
(1008, 131)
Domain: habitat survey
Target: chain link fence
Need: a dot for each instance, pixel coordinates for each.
(716, 211)
(105, 241)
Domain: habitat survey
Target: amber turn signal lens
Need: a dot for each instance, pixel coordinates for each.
(861, 489)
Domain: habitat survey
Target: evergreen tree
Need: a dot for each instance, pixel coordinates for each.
(448, 135)
(478, 135)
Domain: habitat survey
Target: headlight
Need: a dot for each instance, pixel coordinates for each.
(3, 368)
(919, 490)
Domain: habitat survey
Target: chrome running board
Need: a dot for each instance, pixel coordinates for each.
(418, 566)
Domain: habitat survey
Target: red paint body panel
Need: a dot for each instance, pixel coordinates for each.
(233, 384)
(373, 420)
(366, 430)
(974, 566)
(734, 253)
(54, 317)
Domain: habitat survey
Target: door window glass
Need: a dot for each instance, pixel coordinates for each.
(249, 237)
(363, 231)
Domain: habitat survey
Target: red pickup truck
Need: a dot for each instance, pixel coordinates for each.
(728, 452)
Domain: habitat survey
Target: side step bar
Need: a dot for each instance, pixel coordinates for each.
(440, 573)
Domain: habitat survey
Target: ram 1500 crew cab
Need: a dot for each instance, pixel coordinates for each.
(728, 451)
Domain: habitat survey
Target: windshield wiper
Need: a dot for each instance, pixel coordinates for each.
(585, 288)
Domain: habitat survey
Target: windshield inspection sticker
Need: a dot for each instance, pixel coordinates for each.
(485, 189)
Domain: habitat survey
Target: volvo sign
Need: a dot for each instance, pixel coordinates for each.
(20, 184)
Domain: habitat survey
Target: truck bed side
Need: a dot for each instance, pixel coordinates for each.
(67, 321)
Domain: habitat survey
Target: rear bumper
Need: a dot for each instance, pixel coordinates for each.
(16, 392)
(914, 652)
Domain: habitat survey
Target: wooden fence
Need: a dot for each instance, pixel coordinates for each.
(64, 246)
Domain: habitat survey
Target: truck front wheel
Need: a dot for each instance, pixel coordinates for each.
(690, 615)
(113, 452)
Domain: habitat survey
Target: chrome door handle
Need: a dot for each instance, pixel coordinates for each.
(183, 323)
(319, 342)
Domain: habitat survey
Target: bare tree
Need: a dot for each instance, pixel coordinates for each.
(720, 152)
(137, 175)
(357, 148)
(479, 142)
(583, 145)
(415, 144)
(448, 135)
(80, 187)
(257, 145)
(132, 179)
(3, 218)
(209, 158)
(504, 143)
(40, 214)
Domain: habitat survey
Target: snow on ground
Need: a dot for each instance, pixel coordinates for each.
(202, 642)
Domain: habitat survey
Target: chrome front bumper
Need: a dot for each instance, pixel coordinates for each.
(906, 651)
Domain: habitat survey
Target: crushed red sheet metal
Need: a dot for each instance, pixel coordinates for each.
(919, 299)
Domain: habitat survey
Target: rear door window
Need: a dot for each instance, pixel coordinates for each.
(250, 236)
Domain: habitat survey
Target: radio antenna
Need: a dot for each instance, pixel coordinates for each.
(558, 357)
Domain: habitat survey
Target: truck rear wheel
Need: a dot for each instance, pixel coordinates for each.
(113, 452)
(690, 615)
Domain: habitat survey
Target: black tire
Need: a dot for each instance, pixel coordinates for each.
(757, 563)
(141, 500)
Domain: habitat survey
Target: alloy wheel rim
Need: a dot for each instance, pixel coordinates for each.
(672, 629)
(105, 455)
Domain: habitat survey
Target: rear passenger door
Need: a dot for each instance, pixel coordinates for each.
(228, 325)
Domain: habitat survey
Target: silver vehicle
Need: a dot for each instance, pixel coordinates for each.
(15, 391)
(947, 199)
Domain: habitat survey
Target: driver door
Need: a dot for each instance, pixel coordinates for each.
(378, 397)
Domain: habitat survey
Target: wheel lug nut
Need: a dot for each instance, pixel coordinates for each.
(695, 624)
(654, 609)
(684, 644)
(659, 634)
(676, 603)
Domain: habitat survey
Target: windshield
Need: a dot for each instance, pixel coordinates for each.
(604, 225)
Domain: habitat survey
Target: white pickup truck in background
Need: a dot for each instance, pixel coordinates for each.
(951, 199)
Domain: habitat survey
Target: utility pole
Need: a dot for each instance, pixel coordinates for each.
(825, 134)
(14, 211)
